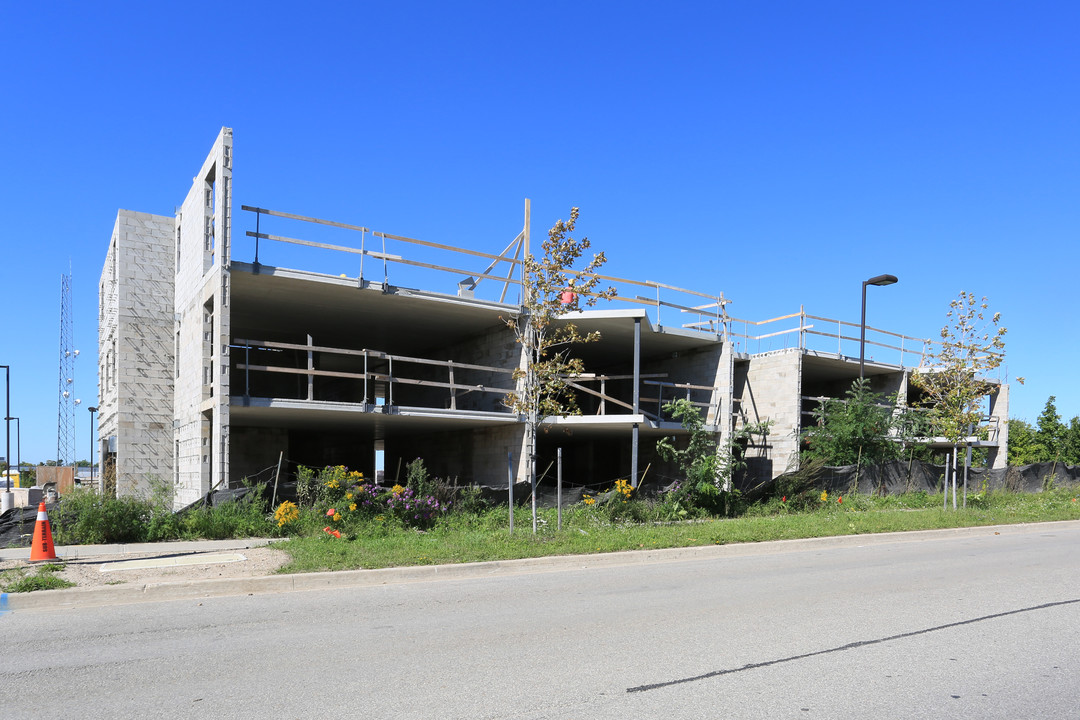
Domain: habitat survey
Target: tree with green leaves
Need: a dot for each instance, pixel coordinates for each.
(1071, 453)
(953, 386)
(1050, 432)
(863, 428)
(558, 282)
(1024, 448)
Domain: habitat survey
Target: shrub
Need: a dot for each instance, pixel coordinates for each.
(245, 517)
(84, 517)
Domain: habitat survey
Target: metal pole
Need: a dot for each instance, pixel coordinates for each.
(967, 464)
(862, 333)
(637, 400)
(558, 482)
(7, 427)
(510, 486)
(945, 485)
(954, 460)
(878, 280)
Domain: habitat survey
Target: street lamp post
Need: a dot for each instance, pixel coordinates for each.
(876, 280)
(92, 411)
(8, 500)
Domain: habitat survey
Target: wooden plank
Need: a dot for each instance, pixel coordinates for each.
(374, 376)
(304, 218)
(607, 398)
(451, 248)
(368, 353)
(326, 246)
(680, 386)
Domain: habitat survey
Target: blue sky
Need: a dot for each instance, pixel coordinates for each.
(779, 152)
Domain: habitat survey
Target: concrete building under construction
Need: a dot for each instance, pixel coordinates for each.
(216, 362)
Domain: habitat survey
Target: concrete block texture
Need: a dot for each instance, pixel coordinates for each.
(135, 351)
(769, 387)
(201, 332)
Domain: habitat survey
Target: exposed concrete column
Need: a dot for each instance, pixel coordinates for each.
(310, 367)
(998, 457)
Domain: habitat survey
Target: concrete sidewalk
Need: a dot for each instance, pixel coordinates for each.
(73, 552)
(75, 598)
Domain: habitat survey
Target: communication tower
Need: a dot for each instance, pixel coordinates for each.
(65, 433)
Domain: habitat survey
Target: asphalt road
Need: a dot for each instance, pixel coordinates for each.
(973, 627)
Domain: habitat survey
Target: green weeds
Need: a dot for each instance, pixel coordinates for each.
(44, 577)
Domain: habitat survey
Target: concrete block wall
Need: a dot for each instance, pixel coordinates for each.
(703, 365)
(770, 387)
(135, 350)
(201, 329)
(999, 412)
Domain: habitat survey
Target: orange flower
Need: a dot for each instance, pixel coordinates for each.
(330, 512)
(840, 499)
(335, 533)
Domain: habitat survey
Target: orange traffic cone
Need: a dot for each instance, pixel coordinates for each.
(42, 549)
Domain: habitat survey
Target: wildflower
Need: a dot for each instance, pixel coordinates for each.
(824, 496)
(330, 512)
(840, 500)
(335, 533)
(783, 499)
(397, 490)
(286, 513)
(352, 507)
(589, 500)
(348, 496)
(337, 517)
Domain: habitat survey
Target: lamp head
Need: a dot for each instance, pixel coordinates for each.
(881, 280)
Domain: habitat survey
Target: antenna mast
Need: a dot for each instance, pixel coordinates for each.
(65, 433)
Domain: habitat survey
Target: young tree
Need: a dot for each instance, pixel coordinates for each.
(953, 387)
(552, 287)
(1050, 432)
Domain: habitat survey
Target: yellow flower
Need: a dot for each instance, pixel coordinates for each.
(348, 496)
(337, 517)
(397, 489)
(589, 500)
(352, 507)
(286, 513)
(824, 496)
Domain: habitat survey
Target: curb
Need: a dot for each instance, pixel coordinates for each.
(74, 598)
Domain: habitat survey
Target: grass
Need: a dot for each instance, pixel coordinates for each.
(476, 538)
(17, 580)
